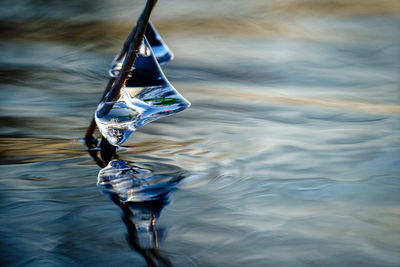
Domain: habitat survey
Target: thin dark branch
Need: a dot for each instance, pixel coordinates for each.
(132, 52)
(89, 140)
(125, 47)
(131, 45)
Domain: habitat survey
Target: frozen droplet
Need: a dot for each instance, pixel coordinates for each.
(115, 68)
(146, 97)
(144, 50)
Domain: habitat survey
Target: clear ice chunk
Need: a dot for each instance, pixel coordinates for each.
(146, 97)
(160, 50)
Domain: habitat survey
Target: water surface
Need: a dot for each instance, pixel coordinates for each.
(288, 156)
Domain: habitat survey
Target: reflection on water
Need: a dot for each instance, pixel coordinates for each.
(142, 194)
(133, 183)
(140, 221)
(290, 150)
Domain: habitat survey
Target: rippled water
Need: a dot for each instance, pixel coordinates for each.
(288, 156)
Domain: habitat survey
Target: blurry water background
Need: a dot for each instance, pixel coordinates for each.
(290, 151)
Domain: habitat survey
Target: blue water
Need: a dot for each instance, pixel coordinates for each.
(288, 156)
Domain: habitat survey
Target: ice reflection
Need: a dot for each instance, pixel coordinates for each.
(140, 219)
(136, 184)
(142, 193)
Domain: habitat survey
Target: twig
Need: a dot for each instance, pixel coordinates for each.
(132, 44)
(132, 52)
(125, 47)
(90, 142)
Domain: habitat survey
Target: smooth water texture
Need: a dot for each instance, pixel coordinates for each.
(146, 97)
(288, 156)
